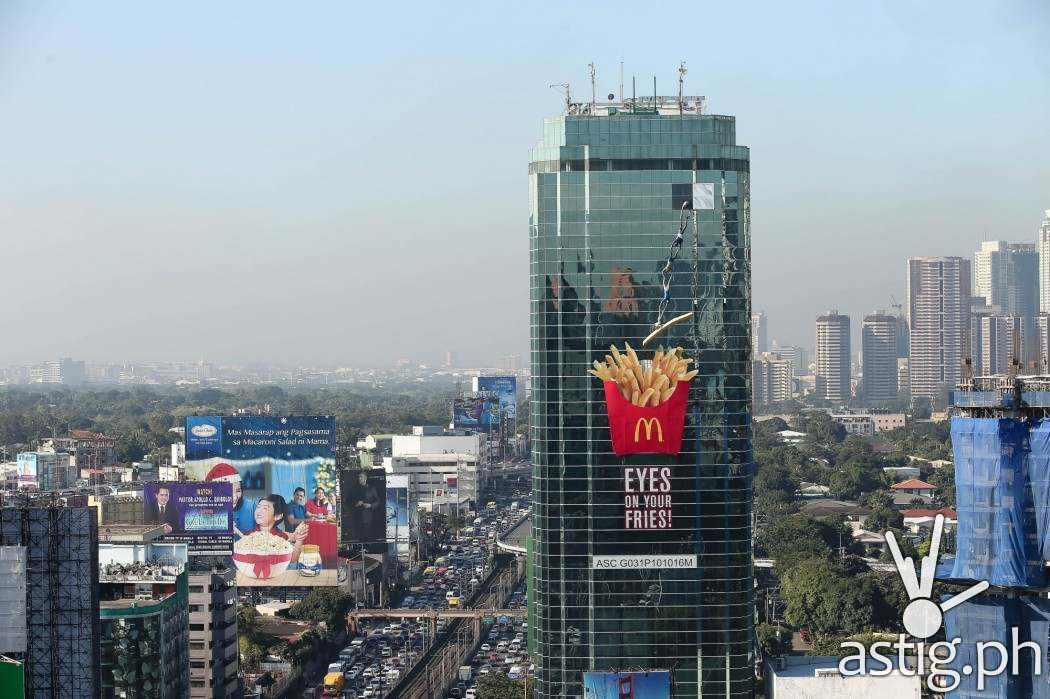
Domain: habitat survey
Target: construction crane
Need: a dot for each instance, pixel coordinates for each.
(898, 306)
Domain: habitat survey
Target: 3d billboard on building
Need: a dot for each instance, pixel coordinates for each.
(364, 513)
(282, 472)
(197, 514)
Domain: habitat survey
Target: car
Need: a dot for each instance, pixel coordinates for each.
(486, 647)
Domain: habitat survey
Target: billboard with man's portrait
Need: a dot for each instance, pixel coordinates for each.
(283, 475)
(364, 509)
(197, 514)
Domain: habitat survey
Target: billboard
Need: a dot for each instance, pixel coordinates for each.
(399, 514)
(282, 470)
(505, 388)
(475, 412)
(27, 467)
(199, 515)
(655, 684)
(364, 515)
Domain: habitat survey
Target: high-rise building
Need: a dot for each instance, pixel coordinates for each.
(903, 335)
(939, 320)
(833, 357)
(1043, 244)
(998, 342)
(213, 629)
(759, 334)
(772, 378)
(879, 347)
(1022, 294)
(903, 376)
(61, 612)
(63, 371)
(991, 266)
(798, 357)
(144, 614)
(607, 186)
(1041, 328)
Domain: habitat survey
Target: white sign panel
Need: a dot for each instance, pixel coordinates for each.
(645, 562)
(703, 195)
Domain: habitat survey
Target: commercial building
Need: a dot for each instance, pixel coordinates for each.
(772, 379)
(939, 319)
(759, 334)
(991, 266)
(833, 357)
(1023, 287)
(144, 614)
(879, 347)
(998, 343)
(860, 424)
(884, 422)
(439, 482)
(61, 603)
(45, 471)
(798, 357)
(609, 185)
(1041, 328)
(64, 371)
(213, 652)
(1043, 245)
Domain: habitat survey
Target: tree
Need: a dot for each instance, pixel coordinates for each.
(496, 685)
(327, 605)
(823, 596)
(774, 640)
(797, 537)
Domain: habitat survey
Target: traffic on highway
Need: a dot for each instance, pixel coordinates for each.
(382, 651)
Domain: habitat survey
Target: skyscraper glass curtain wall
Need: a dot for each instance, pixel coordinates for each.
(606, 195)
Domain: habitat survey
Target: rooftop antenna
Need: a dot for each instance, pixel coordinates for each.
(564, 89)
(621, 81)
(681, 83)
(594, 94)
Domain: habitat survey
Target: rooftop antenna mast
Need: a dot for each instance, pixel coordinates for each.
(681, 83)
(621, 81)
(594, 93)
(568, 95)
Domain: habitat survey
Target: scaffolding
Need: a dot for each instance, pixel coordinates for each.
(62, 598)
(12, 599)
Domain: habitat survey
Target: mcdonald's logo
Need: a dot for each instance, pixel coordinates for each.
(649, 422)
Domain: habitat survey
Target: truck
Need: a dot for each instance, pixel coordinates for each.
(333, 684)
(465, 673)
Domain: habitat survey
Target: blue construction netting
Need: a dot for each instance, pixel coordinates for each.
(1039, 478)
(996, 536)
(987, 619)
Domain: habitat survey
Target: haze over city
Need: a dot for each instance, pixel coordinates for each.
(257, 182)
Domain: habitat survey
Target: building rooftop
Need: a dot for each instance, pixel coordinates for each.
(913, 484)
(663, 105)
(948, 512)
(825, 507)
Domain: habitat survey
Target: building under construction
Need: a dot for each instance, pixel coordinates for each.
(61, 658)
(1001, 443)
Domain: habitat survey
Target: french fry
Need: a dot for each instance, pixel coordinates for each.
(644, 385)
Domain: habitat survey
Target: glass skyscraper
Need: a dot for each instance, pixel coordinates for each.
(607, 184)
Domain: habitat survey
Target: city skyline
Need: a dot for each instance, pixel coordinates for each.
(174, 153)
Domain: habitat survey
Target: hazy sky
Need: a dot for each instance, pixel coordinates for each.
(346, 183)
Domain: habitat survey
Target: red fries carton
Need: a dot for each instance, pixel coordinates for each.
(646, 430)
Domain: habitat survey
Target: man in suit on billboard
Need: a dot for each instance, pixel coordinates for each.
(162, 511)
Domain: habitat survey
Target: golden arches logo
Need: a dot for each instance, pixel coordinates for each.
(649, 422)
